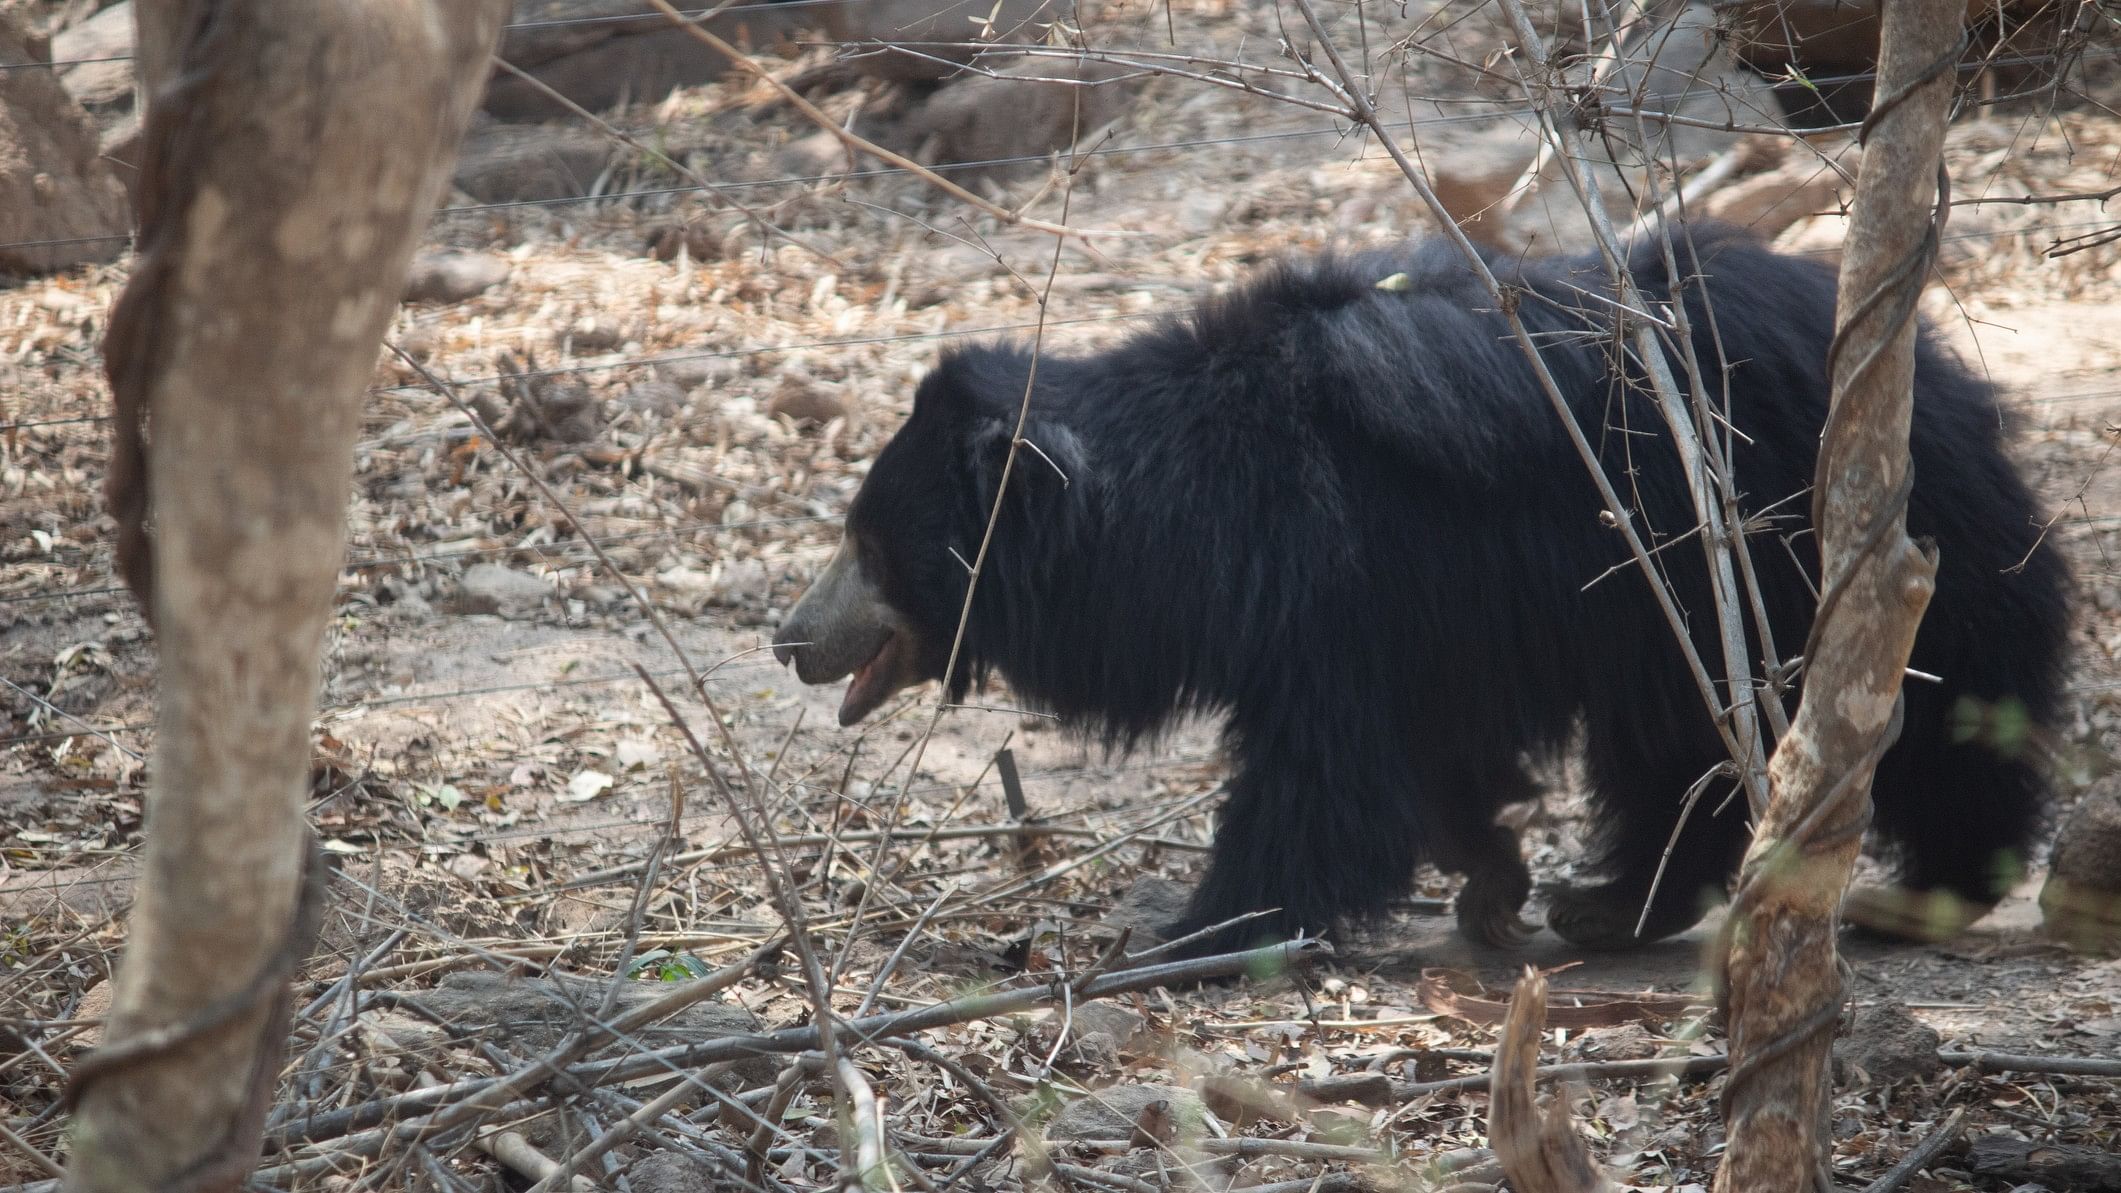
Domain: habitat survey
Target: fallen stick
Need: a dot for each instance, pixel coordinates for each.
(1944, 1136)
(1376, 1089)
(2051, 1066)
(439, 1099)
(2075, 1167)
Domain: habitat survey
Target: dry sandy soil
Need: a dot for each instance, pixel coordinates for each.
(475, 767)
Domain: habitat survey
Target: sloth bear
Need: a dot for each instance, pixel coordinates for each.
(1335, 508)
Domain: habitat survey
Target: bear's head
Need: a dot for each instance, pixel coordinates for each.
(887, 608)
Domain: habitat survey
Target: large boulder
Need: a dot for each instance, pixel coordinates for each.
(598, 53)
(1013, 112)
(1835, 42)
(604, 53)
(1031, 108)
(1490, 176)
(61, 204)
(517, 163)
(868, 29)
(97, 61)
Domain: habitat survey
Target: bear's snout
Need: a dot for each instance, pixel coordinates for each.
(840, 623)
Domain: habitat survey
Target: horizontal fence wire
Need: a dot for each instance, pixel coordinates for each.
(666, 358)
(361, 563)
(1336, 129)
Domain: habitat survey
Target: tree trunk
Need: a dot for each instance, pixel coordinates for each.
(294, 153)
(1781, 980)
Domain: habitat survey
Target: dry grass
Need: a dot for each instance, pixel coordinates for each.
(496, 790)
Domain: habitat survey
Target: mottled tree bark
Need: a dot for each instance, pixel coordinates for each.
(1781, 979)
(294, 152)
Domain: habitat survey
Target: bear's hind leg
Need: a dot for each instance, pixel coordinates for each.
(1637, 799)
(1964, 815)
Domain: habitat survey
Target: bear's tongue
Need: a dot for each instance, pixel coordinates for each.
(873, 683)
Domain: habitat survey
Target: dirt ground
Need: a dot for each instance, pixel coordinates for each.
(491, 775)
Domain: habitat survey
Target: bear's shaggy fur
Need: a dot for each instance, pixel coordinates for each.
(1345, 517)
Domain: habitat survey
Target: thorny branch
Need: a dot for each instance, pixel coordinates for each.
(1349, 87)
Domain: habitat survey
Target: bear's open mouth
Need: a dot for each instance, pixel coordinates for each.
(875, 680)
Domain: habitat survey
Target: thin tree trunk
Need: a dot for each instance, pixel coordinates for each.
(293, 154)
(1781, 978)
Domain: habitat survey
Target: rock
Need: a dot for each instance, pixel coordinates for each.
(1887, 1044)
(1241, 1101)
(54, 184)
(870, 27)
(1103, 1018)
(94, 1007)
(696, 238)
(517, 163)
(820, 154)
(1798, 189)
(100, 51)
(591, 336)
(1147, 906)
(1162, 1112)
(498, 589)
(1685, 69)
(535, 406)
(2081, 900)
(743, 584)
(689, 373)
(671, 1172)
(1472, 168)
(805, 404)
(1681, 69)
(1020, 114)
(1099, 1034)
(599, 63)
(659, 398)
(1622, 1041)
(450, 275)
(1818, 236)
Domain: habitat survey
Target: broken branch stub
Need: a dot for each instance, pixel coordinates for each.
(1538, 1148)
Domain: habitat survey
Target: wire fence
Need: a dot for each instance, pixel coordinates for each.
(1499, 113)
(578, 549)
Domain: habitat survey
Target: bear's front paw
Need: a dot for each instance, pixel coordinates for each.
(1488, 907)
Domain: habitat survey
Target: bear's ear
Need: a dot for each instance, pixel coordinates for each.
(945, 394)
(975, 395)
(965, 384)
(1050, 459)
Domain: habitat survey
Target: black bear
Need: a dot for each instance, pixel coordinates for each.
(1336, 508)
